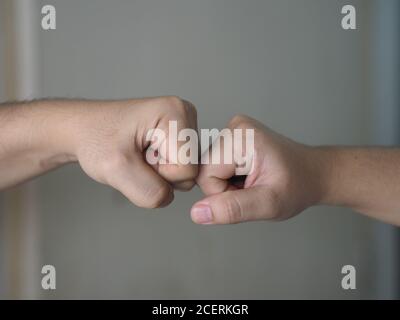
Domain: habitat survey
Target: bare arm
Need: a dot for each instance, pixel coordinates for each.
(290, 177)
(107, 138)
(33, 139)
(364, 179)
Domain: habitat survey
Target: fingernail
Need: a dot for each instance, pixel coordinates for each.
(202, 214)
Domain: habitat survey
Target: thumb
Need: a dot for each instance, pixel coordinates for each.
(230, 207)
(137, 181)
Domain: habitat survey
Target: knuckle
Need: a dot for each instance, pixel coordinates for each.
(156, 197)
(184, 186)
(190, 172)
(180, 106)
(231, 211)
(190, 108)
(173, 102)
(238, 121)
(205, 184)
(183, 173)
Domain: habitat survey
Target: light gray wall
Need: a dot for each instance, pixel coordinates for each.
(286, 63)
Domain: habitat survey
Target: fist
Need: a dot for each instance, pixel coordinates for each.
(112, 144)
(282, 182)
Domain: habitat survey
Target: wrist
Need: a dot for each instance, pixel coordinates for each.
(32, 139)
(50, 133)
(327, 177)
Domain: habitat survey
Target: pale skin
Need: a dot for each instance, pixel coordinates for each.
(107, 139)
(289, 177)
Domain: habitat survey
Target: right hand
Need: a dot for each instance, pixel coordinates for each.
(109, 141)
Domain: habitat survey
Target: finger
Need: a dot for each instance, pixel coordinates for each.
(140, 183)
(217, 168)
(181, 167)
(213, 179)
(255, 203)
(184, 186)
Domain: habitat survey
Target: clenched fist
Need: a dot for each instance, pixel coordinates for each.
(283, 181)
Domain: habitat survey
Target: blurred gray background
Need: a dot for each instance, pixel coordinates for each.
(287, 63)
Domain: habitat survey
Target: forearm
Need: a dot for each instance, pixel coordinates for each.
(35, 137)
(364, 179)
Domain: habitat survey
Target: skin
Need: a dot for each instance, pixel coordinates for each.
(289, 177)
(107, 139)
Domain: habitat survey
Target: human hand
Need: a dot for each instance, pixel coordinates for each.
(109, 142)
(284, 181)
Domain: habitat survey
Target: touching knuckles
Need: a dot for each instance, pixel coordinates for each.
(152, 187)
